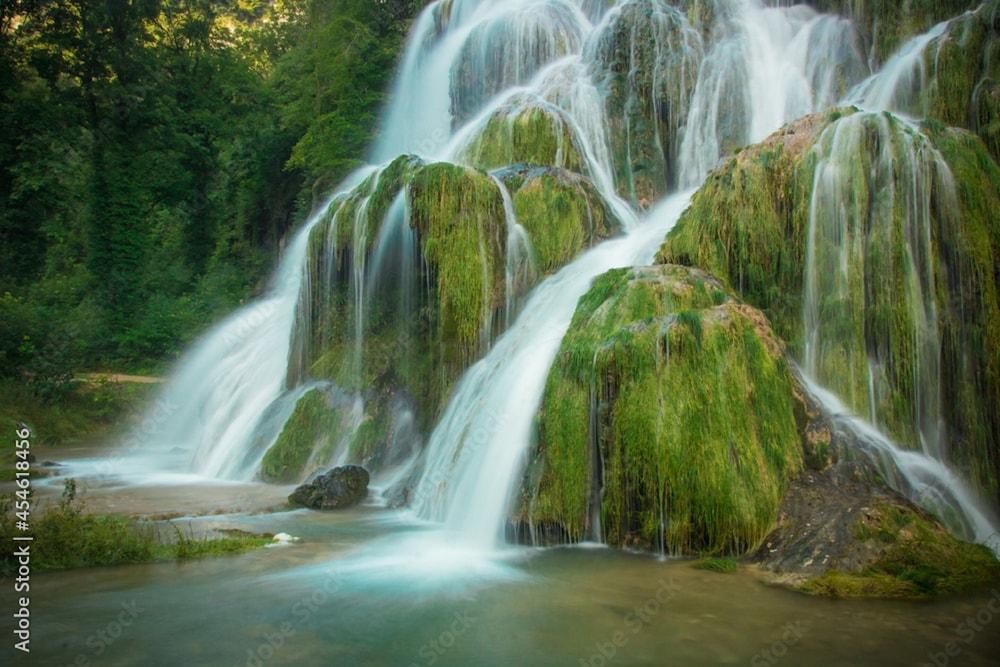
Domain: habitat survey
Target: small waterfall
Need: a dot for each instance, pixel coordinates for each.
(521, 269)
(926, 481)
(900, 82)
(223, 387)
(873, 340)
(477, 449)
(766, 66)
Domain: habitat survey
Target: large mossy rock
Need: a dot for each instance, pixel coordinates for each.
(525, 133)
(900, 286)
(338, 488)
(646, 61)
(561, 211)
(410, 277)
(669, 413)
(841, 532)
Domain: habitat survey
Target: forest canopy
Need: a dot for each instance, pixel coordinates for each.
(156, 155)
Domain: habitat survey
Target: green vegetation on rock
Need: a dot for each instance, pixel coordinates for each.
(531, 134)
(312, 427)
(686, 405)
(880, 197)
(562, 213)
(459, 217)
(916, 558)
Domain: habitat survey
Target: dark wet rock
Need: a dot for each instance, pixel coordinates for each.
(339, 488)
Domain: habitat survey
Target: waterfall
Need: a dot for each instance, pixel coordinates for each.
(222, 388)
(851, 326)
(470, 63)
(477, 449)
(766, 67)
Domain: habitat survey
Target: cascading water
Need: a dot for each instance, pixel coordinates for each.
(468, 64)
(478, 446)
(851, 344)
(477, 449)
(222, 389)
(767, 66)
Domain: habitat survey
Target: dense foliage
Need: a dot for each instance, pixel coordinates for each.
(156, 154)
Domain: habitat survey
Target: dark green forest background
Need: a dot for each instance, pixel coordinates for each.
(155, 155)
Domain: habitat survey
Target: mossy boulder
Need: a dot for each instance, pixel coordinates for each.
(882, 198)
(909, 556)
(670, 414)
(646, 62)
(562, 212)
(529, 133)
(312, 428)
(406, 284)
(842, 532)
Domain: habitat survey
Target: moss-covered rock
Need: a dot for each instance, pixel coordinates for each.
(406, 284)
(313, 427)
(670, 412)
(525, 133)
(842, 532)
(911, 556)
(747, 222)
(561, 211)
(899, 292)
(459, 217)
(646, 61)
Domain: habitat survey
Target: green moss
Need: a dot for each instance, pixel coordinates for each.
(525, 135)
(747, 225)
(897, 189)
(312, 426)
(458, 214)
(562, 213)
(696, 437)
(721, 565)
(917, 559)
